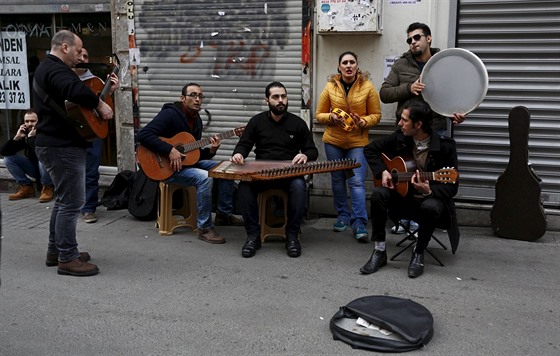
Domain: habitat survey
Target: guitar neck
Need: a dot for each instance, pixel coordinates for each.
(107, 86)
(406, 176)
(191, 146)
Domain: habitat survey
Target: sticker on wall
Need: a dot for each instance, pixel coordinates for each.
(134, 54)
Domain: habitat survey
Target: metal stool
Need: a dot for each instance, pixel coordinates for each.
(168, 217)
(412, 238)
(272, 225)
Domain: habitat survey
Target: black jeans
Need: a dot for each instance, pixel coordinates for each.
(297, 203)
(427, 212)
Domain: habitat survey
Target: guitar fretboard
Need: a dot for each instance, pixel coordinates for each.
(191, 146)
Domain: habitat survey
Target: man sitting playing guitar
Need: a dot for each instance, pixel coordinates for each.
(183, 116)
(426, 202)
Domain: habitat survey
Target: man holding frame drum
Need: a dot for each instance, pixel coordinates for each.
(404, 82)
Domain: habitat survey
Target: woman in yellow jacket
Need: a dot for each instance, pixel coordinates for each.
(354, 94)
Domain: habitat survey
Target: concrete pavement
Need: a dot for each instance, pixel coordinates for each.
(180, 296)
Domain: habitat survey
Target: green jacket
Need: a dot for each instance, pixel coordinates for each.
(396, 87)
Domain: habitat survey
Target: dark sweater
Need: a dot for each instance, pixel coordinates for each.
(277, 141)
(60, 83)
(170, 121)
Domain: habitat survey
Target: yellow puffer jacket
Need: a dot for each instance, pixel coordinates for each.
(362, 99)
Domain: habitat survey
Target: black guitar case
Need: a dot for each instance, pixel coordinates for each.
(518, 212)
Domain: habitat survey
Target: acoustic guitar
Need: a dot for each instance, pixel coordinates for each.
(156, 165)
(402, 171)
(89, 125)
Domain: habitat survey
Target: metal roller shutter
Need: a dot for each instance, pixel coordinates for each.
(232, 48)
(518, 41)
(53, 6)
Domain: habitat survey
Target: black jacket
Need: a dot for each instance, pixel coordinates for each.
(442, 153)
(27, 145)
(60, 83)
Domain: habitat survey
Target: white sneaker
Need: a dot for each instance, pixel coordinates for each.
(399, 229)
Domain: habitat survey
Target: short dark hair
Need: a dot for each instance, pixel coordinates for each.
(419, 25)
(273, 85)
(184, 90)
(420, 111)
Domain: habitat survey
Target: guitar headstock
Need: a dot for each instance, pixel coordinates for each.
(446, 175)
(114, 60)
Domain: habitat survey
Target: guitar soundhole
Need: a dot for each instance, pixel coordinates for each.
(180, 148)
(395, 175)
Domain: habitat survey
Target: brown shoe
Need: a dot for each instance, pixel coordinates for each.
(77, 268)
(210, 235)
(52, 258)
(47, 194)
(222, 219)
(25, 191)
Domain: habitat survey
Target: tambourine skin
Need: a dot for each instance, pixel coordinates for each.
(348, 124)
(456, 81)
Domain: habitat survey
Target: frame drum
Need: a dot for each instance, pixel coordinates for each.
(456, 81)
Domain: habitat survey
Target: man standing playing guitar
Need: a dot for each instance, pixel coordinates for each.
(425, 201)
(95, 151)
(179, 117)
(62, 150)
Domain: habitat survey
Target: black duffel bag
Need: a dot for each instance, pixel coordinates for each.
(405, 325)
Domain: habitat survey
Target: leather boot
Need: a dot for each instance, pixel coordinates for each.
(377, 260)
(293, 247)
(251, 246)
(416, 266)
(52, 258)
(25, 191)
(47, 194)
(210, 235)
(77, 268)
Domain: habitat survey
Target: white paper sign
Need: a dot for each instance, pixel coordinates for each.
(388, 65)
(14, 78)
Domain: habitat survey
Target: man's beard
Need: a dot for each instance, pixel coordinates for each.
(417, 53)
(277, 111)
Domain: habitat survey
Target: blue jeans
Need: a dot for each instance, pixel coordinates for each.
(21, 168)
(67, 167)
(357, 216)
(297, 204)
(93, 161)
(197, 175)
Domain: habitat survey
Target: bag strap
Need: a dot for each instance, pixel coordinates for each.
(53, 105)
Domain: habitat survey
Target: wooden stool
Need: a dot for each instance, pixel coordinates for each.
(271, 225)
(169, 218)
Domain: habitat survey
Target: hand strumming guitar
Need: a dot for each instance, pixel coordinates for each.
(104, 111)
(176, 159)
(387, 180)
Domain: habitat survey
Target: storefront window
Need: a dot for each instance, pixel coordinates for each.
(95, 31)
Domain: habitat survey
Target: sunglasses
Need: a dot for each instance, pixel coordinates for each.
(416, 37)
